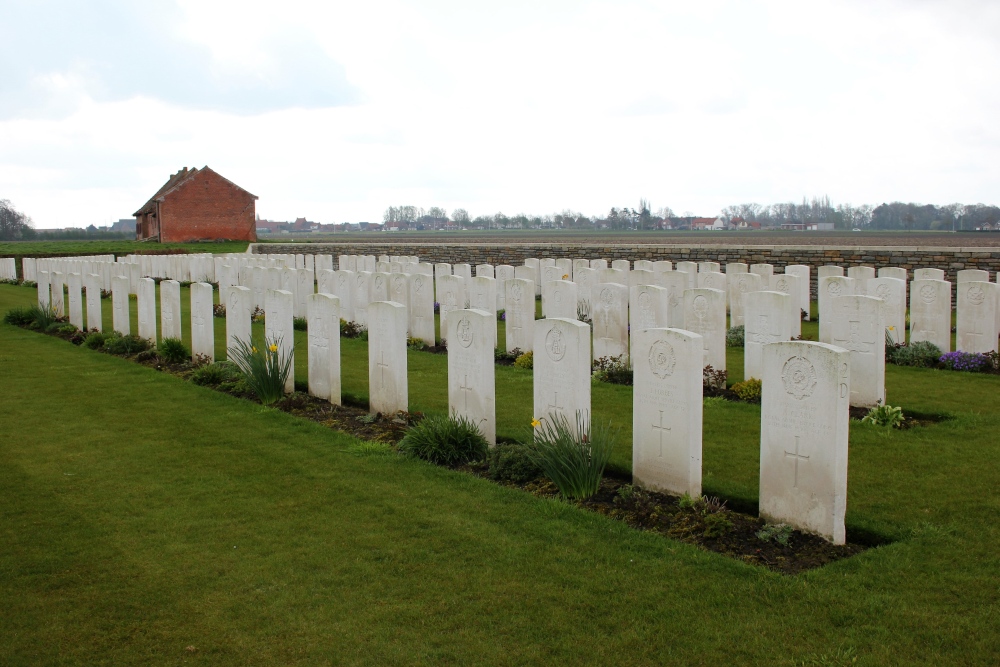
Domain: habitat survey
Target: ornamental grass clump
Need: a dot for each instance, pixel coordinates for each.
(125, 345)
(445, 441)
(20, 317)
(572, 458)
(265, 368)
(173, 351)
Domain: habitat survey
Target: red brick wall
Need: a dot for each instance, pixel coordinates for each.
(207, 207)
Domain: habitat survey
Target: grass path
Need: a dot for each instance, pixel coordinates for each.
(140, 515)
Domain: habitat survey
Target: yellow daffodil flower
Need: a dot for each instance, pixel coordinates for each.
(565, 276)
(535, 423)
(273, 348)
(254, 350)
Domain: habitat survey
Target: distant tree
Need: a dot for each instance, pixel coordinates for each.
(643, 215)
(437, 212)
(460, 217)
(14, 225)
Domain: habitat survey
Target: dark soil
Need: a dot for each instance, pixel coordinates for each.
(733, 534)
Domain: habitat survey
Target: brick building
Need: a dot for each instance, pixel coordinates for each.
(197, 205)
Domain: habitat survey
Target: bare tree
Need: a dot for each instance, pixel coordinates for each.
(14, 225)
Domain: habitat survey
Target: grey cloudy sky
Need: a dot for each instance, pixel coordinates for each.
(336, 110)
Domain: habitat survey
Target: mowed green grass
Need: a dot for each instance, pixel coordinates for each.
(83, 247)
(142, 514)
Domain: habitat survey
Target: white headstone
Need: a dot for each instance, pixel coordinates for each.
(893, 272)
(787, 283)
(520, 315)
(712, 279)
(892, 291)
(471, 385)
(95, 319)
(44, 284)
(504, 272)
(675, 282)
(621, 265)
(239, 306)
(421, 308)
(146, 298)
(667, 410)
(647, 309)
(861, 275)
(565, 269)
(859, 328)
(58, 287)
(928, 274)
(379, 286)
(765, 271)
(463, 270)
(561, 372)
(616, 276)
(170, 309)
(279, 329)
(828, 270)
(343, 282)
(585, 279)
(930, 312)
(535, 266)
(323, 313)
(970, 275)
(452, 296)
(642, 265)
(709, 267)
(803, 437)
(559, 299)
(705, 315)
(802, 272)
(767, 318)
(691, 269)
(202, 322)
(740, 284)
(598, 264)
(360, 297)
(387, 382)
(829, 288)
(74, 287)
(610, 320)
(641, 277)
(119, 305)
(977, 316)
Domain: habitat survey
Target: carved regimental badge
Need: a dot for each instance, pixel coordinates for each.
(834, 288)
(700, 306)
(976, 295)
(883, 292)
(799, 376)
(782, 285)
(662, 359)
(555, 344)
(928, 294)
(465, 332)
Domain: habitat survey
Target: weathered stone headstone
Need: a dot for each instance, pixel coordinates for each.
(767, 317)
(598, 264)
(789, 284)
(344, 290)
(610, 320)
(859, 328)
(977, 316)
(146, 300)
(621, 265)
(379, 286)
(930, 312)
(972, 275)
(559, 299)
(585, 279)
(361, 297)
(691, 269)
(893, 272)
(471, 383)
(561, 372)
(399, 290)
(641, 277)
(709, 267)
(667, 411)
(520, 314)
(305, 285)
(202, 322)
(579, 264)
(239, 306)
(119, 305)
(740, 284)
(440, 269)
(452, 296)
(170, 309)
(828, 270)
(326, 282)
(928, 274)
(95, 316)
(803, 437)
(535, 266)
(712, 279)
(662, 265)
(279, 308)
(421, 308)
(388, 391)
(642, 265)
(892, 291)
(504, 272)
(74, 287)
(323, 312)
(43, 279)
(675, 282)
(705, 315)
(802, 272)
(463, 270)
(565, 269)
(57, 288)
(829, 288)
(861, 275)
(616, 276)
(647, 309)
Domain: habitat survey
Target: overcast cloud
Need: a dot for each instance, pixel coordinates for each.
(335, 111)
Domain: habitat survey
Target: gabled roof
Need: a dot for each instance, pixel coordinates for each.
(175, 181)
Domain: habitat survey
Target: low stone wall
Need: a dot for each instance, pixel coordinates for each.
(951, 260)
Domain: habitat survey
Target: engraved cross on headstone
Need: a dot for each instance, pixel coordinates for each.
(466, 389)
(798, 457)
(555, 404)
(381, 368)
(661, 428)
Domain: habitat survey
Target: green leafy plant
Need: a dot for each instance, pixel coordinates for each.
(525, 361)
(613, 370)
(300, 324)
(415, 343)
(626, 491)
(64, 328)
(748, 390)
(509, 462)
(687, 501)
(884, 415)
(125, 345)
(583, 312)
(219, 310)
(717, 525)
(712, 379)
(351, 329)
(95, 340)
(735, 336)
(920, 354)
(173, 351)
(445, 441)
(572, 458)
(215, 374)
(21, 316)
(778, 532)
(265, 368)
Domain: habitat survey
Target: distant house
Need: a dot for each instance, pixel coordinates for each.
(708, 223)
(197, 205)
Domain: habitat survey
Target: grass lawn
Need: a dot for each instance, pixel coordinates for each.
(142, 515)
(63, 248)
